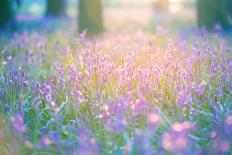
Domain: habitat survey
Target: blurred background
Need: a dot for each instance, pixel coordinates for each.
(96, 16)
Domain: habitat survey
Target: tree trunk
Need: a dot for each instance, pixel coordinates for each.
(55, 8)
(7, 13)
(90, 16)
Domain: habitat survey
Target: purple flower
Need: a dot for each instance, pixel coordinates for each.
(46, 91)
(60, 73)
(76, 93)
(200, 89)
(141, 107)
(87, 144)
(154, 118)
(213, 68)
(176, 139)
(142, 144)
(18, 123)
(116, 126)
(25, 80)
(220, 146)
(228, 126)
(54, 136)
(183, 97)
(45, 141)
(221, 137)
(119, 107)
(218, 27)
(105, 115)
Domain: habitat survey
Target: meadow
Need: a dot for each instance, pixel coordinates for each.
(118, 93)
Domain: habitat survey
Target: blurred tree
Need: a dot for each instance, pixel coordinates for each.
(7, 12)
(161, 5)
(212, 12)
(55, 7)
(229, 4)
(90, 16)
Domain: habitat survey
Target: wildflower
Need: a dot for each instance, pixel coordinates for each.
(105, 114)
(36, 103)
(60, 72)
(118, 107)
(228, 125)
(183, 98)
(218, 27)
(153, 118)
(213, 134)
(228, 120)
(141, 107)
(46, 91)
(54, 107)
(225, 146)
(4, 62)
(28, 144)
(87, 144)
(44, 141)
(172, 142)
(213, 68)
(220, 146)
(176, 140)
(219, 92)
(25, 80)
(54, 136)
(18, 123)
(9, 58)
(200, 89)
(117, 126)
(142, 143)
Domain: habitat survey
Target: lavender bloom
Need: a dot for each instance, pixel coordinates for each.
(54, 136)
(45, 141)
(229, 61)
(221, 137)
(25, 80)
(176, 140)
(46, 91)
(228, 125)
(183, 98)
(87, 144)
(105, 115)
(213, 68)
(76, 93)
(200, 89)
(18, 123)
(220, 143)
(219, 92)
(116, 126)
(119, 107)
(153, 118)
(141, 107)
(36, 103)
(142, 144)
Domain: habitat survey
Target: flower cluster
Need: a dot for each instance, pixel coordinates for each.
(118, 94)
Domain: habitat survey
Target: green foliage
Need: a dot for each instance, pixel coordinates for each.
(90, 16)
(211, 12)
(7, 12)
(55, 7)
